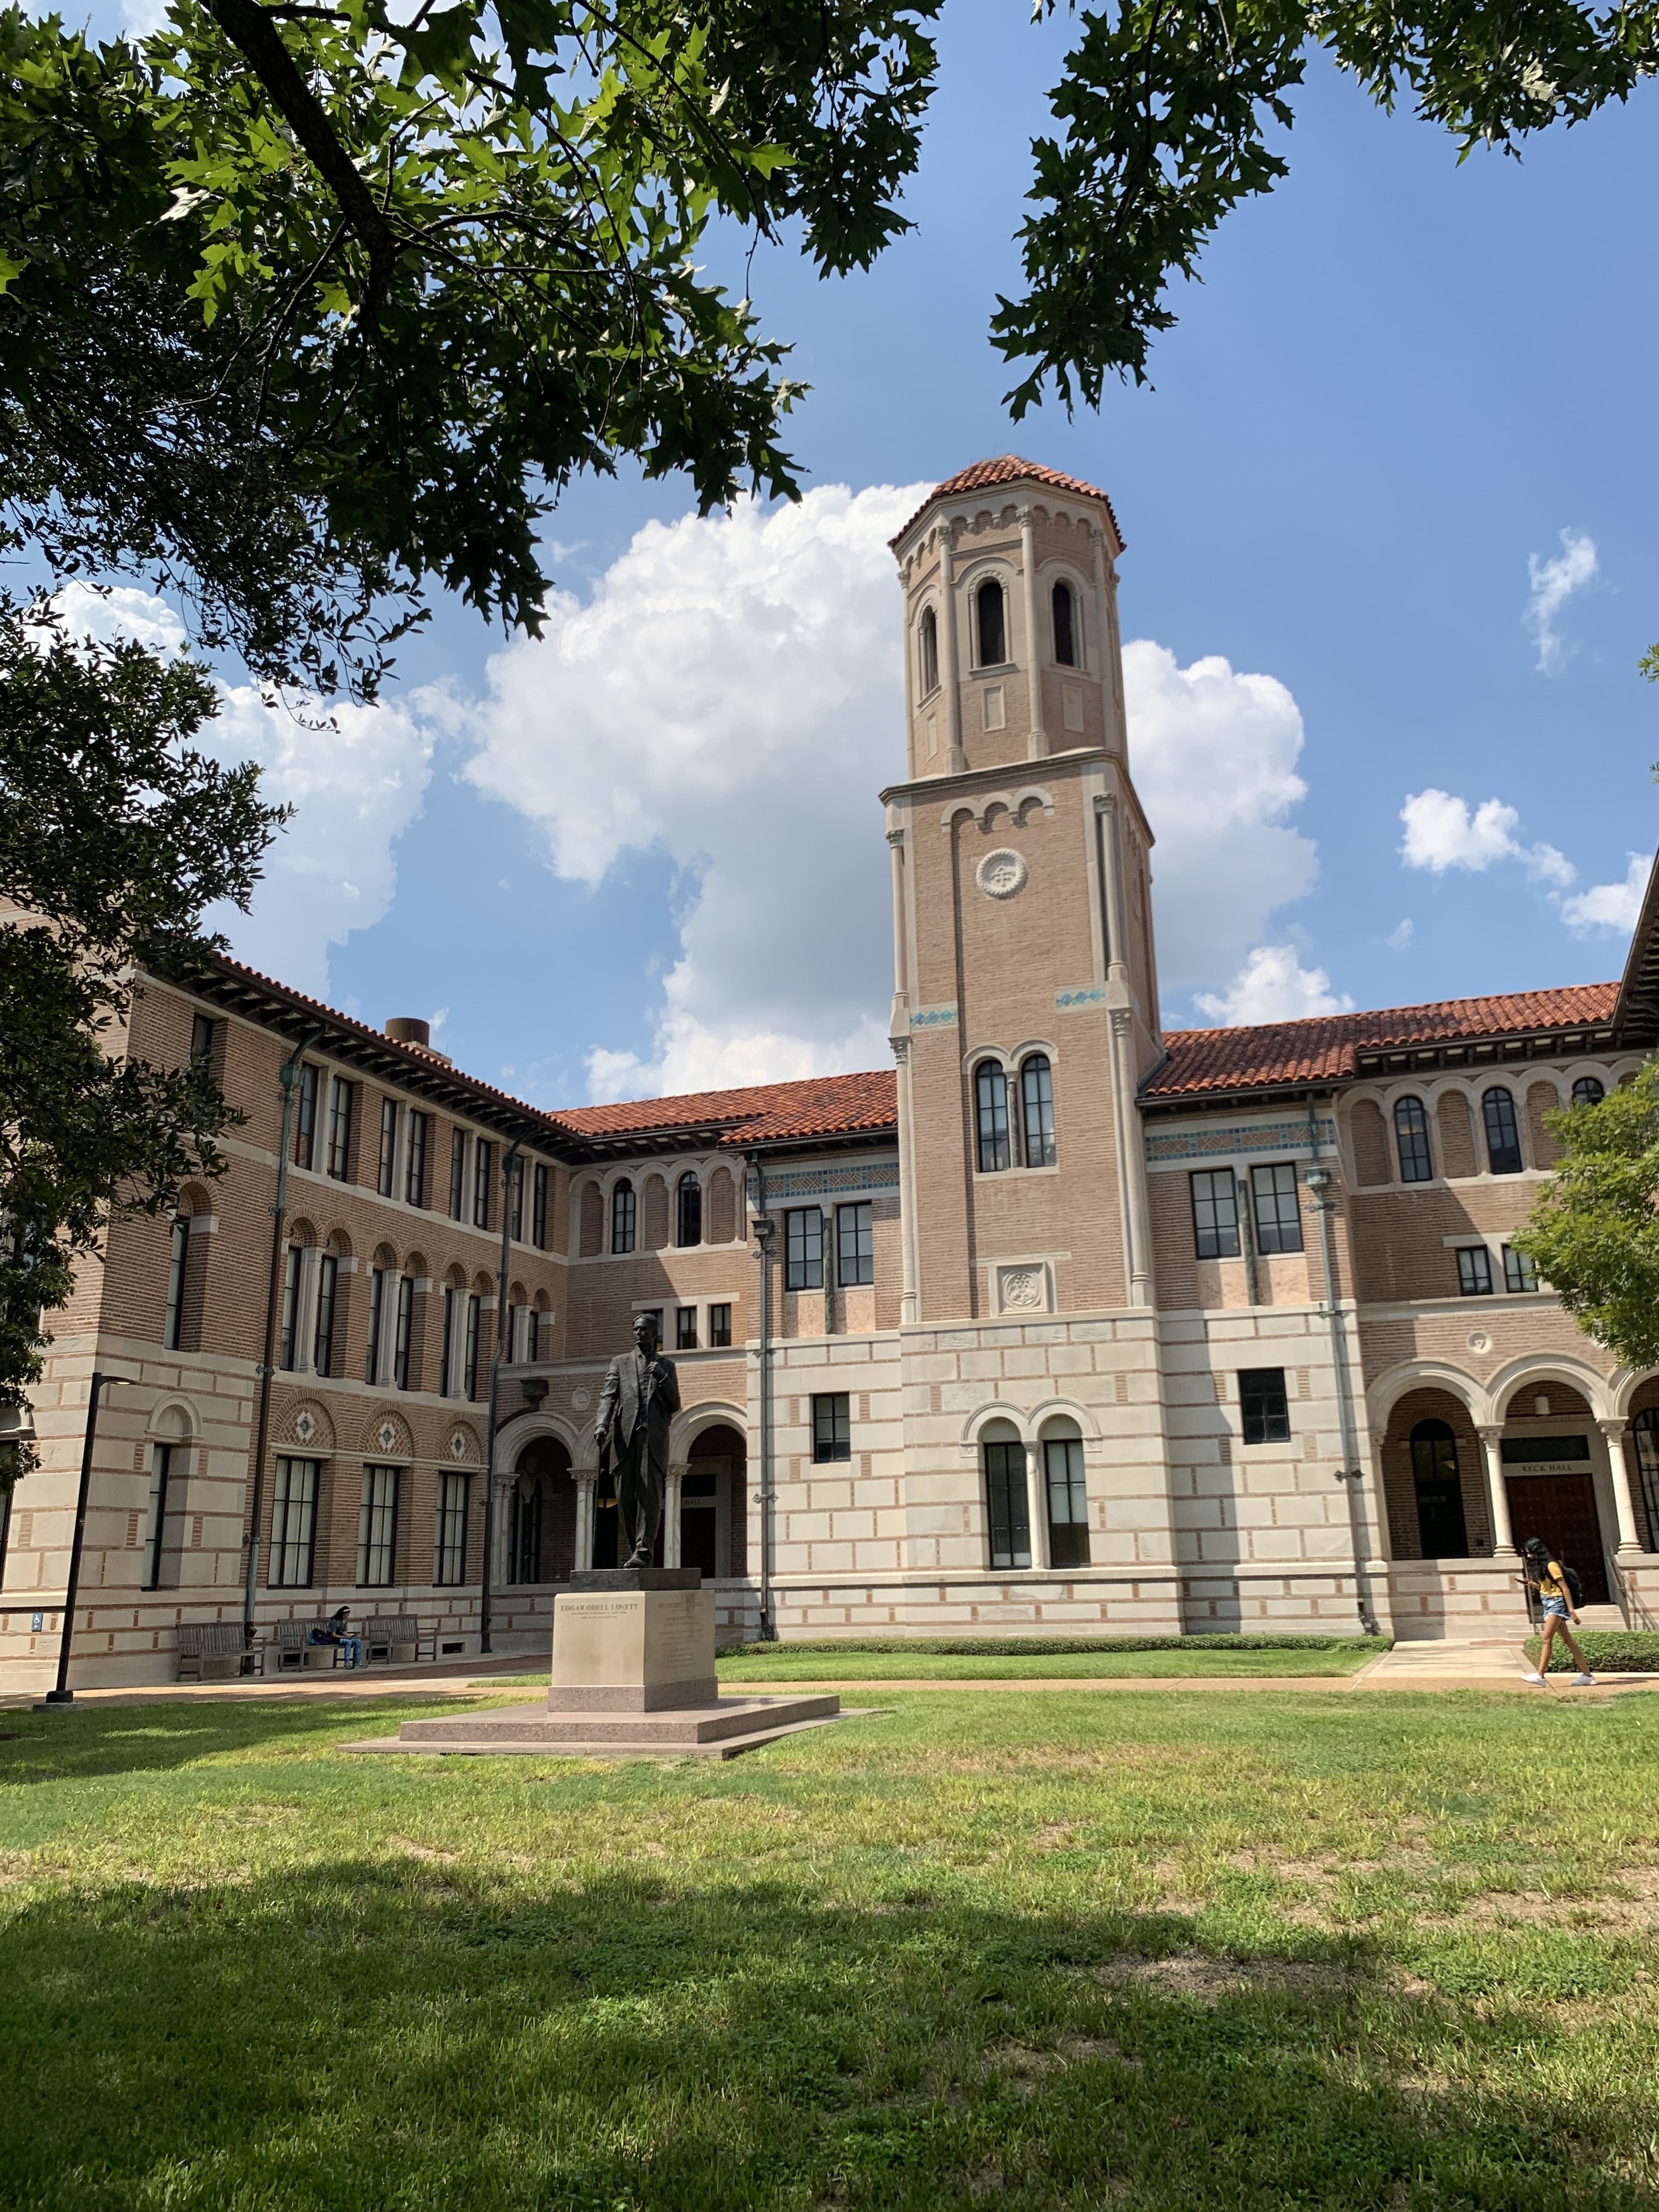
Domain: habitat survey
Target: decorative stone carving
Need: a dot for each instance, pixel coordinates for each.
(313, 1428)
(387, 1436)
(1023, 1289)
(463, 1444)
(1001, 873)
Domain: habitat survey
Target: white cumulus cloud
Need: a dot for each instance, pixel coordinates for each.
(1553, 583)
(1213, 753)
(1272, 986)
(731, 693)
(1609, 908)
(1443, 831)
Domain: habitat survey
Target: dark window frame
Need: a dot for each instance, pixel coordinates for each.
(1438, 1491)
(1212, 1193)
(1473, 1271)
(1065, 1485)
(449, 1529)
(624, 1217)
(685, 1338)
(1007, 1502)
(1264, 1406)
(1589, 1091)
(1036, 1111)
(341, 1117)
(993, 1150)
(292, 1276)
(415, 1156)
(403, 1332)
(1066, 629)
(173, 1315)
(458, 1174)
(688, 1211)
(538, 1206)
(1520, 1274)
(984, 592)
(803, 1248)
(832, 1427)
(322, 1318)
(160, 1476)
(377, 1528)
(927, 653)
(387, 1180)
(1276, 1207)
(719, 1325)
(470, 1344)
(483, 1181)
(1411, 1144)
(294, 1523)
(855, 1244)
(305, 1115)
(376, 1323)
(1502, 1131)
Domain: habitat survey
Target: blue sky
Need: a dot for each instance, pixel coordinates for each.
(1399, 382)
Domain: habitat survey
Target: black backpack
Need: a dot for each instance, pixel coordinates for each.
(1575, 1588)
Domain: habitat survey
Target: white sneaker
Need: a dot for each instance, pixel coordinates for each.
(1533, 1678)
(1583, 1681)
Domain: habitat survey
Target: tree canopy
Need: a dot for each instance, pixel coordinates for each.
(116, 835)
(1594, 1234)
(306, 305)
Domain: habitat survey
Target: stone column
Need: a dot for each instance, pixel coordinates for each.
(1384, 1535)
(586, 1478)
(1036, 1505)
(1624, 1499)
(1502, 1539)
(671, 1515)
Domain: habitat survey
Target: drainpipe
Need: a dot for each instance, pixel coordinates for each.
(766, 1496)
(288, 1078)
(1247, 1241)
(488, 1568)
(1320, 1180)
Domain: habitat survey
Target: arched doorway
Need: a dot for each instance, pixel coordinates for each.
(714, 1504)
(541, 1519)
(1550, 1454)
(1442, 1527)
(1435, 1479)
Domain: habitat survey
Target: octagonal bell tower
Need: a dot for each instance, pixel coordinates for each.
(1025, 1007)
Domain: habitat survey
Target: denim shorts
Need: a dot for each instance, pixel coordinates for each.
(1555, 1609)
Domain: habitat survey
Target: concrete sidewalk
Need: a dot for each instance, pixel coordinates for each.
(453, 1679)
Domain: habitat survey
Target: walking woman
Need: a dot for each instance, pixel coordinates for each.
(1555, 1595)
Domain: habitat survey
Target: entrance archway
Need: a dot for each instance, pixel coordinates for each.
(541, 1519)
(1550, 1451)
(714, 1503)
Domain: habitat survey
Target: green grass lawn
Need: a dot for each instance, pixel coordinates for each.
(1172, 1954)
(779, 1664)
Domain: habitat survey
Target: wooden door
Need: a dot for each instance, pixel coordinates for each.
(1561, 1509)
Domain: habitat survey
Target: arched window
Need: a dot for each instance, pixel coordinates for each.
(1589, 1091)
(1411, 1135)
(1036, 1110)
(688, 1209)
(1007, 1507)
(1439, 1490)
(993, 640)
(1644, 1429)
(927, 648)
(1065, 626)
(621, 1217)
(1503, 1136)
(1068, 1499)
(990, 1113)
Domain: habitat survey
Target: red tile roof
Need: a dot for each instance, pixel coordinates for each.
(816, 1106)
(1007, 469)
(1326, 1048)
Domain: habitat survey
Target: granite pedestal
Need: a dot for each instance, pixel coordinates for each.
(633, 1678)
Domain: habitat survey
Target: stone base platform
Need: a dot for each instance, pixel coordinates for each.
(721, 1729)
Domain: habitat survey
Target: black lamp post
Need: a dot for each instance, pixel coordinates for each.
(63, 1695)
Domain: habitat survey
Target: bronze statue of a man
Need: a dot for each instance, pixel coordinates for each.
(641, 1397)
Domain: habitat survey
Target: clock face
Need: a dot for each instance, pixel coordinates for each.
(1001, 874)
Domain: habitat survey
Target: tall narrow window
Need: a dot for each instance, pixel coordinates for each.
(1589, 1091)
(803, 1248)
(447, 1355)
(538, 1207)
(289, 1350)
(483, 1169)
(173, 1320)
(1008, 1509)
(621, 1217)
(340, 1100)
(305, 1119)
(449, 1548)
(516, 1189)
(457, 1174)
(1264, 1405)
(855, 1244)
(415, 1158)
(377, 1529)
(160, 1471)
(720, 1326)
(1519, 1273)
(685, 1329)
(1503, 1137)
(1645, 1434)
(1473, 1271)
(1440, 1524)
(203, 1031)
(1411, 1137)
(993, 632)
(322, 1345)
(292, 1523)
(376, 1323)
(470, 1357)
(388, 1146)
(990, 1116)
(1065, 604)
(403, 1329)
(1215, 1213)
(1068, 1501)
(1036, 1110)
(525, 1547)
(1278, 1209)
(832, 1426)
(532, 1336)
(928, 650)
(688, 1209)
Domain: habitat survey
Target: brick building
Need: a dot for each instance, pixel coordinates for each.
(1067, 1323)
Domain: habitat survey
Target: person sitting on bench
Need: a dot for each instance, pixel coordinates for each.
(337, 1630)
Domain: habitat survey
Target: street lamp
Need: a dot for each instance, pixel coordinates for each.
(63, 1695)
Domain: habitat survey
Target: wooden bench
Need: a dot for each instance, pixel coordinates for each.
(295, 1650)
(216, 1649)
(397, 1640)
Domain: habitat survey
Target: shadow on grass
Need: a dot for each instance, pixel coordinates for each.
(395, 2032)
(90, 1740)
